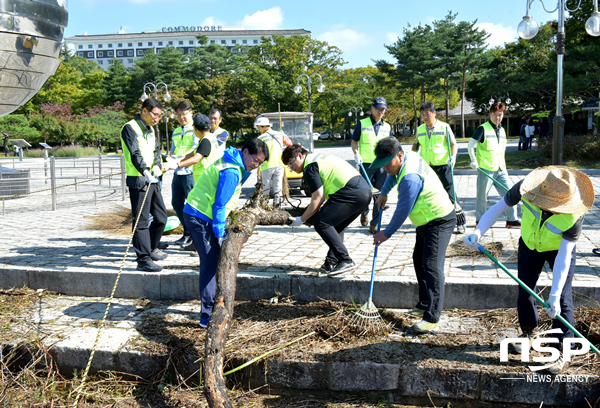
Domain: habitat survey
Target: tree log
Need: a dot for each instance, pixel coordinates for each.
(220, 321)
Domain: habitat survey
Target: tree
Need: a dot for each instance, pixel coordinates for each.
(108, 123)
(116, 84)
(171, 67)
(16, 127)
(211, 60)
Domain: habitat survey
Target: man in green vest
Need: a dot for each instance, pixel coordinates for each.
(141, 153)
(184, 142)
(343, 191)
(490, 141)
(423, 199)
(555, 199)
(271, 172)
(215, 126)
(366, 135)
(438, 148)
(214, 195)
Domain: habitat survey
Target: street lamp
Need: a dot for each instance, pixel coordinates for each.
(320, 88)
(484, 108)
(527, 29)
(355, 109)
(153, 89)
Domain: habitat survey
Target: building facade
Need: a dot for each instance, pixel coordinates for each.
(128, 47)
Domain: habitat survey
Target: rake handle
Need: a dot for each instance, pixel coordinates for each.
(535, 295)
(366, 176)
(493, 179)
(375, 258)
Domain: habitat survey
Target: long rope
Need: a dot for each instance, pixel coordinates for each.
(112, 294)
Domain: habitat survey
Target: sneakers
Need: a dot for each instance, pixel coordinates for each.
(460, 229)
(424, 327)
(328, 266)
(204, 321)
(513, 224)
(364, 220)
(558, 367)
(182, 240)
(158, 255)
(373, 229)
(148, 267)
(596, 251)
(516, 348)
(341, 267)
(190, 247)
(416, 312)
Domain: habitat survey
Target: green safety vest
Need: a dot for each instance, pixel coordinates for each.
(368, 138)
(433, 202)
(220, 130)
(216, 152)
(274, 141)
(146, 143)
(334, 172)
(490, 154)
(203, 195)
(183, 139)
(435, 150)
(547, 236)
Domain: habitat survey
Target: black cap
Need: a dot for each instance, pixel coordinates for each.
(379, 102)
(201, 122)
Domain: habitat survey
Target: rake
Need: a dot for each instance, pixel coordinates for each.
(496, 182)
(375, 192)
(367, 317)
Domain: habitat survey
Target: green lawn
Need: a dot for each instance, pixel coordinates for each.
(528, 159)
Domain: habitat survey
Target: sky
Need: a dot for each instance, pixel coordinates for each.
(360, 29)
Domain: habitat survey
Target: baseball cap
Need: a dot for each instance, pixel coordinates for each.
(379, 102)
(201, 122)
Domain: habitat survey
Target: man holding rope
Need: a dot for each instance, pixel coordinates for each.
(555, 199)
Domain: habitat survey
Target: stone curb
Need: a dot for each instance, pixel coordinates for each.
(390, 292)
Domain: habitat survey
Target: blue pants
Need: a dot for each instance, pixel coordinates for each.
(377, 178)
(208, 250)
(530, 266)
(180, 188)
(483, 188)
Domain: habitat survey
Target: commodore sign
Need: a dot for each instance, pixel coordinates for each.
(191, 28)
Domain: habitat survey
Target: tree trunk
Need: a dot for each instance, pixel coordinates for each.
(220, 321)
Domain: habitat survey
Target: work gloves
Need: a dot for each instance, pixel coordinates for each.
(220, 241)
(451, 161)
(150, 179)
(472, 240)
(295, 222)
(554, 303)
(474, 165)
(358, 159)
(170, 165)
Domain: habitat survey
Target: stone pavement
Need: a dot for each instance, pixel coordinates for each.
(59, 253)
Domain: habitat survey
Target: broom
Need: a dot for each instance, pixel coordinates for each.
(461, 218)
(368, 317)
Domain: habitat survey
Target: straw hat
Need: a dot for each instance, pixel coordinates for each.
(559, 189)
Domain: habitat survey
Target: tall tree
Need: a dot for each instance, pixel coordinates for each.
(16, 127)
(116, 84)
(211, 60)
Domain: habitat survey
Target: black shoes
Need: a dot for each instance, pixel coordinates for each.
(158, 255)
(513, 224)
(148, 267)
(328, 266)
(341, 267)
(182, 240)
(190, 247)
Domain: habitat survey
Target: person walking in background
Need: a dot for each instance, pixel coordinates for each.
(529, 132)
(544, 128)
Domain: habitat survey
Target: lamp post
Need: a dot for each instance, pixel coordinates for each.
(168, 114)
(484, 108)
(507, 102)
(320, 88)
(527, 29)
(153, 88)
(356, 109)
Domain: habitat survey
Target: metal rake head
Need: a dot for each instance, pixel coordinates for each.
(368, 319)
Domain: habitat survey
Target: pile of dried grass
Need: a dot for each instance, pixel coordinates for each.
(119, 221)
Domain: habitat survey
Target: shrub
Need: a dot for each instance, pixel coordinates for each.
(575, 147)
(65, 151)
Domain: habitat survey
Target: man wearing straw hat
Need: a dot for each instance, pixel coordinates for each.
(272, 171)
(423, 199)
(490, 140)
(347, 193)
(555, 199)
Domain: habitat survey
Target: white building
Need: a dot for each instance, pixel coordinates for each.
(126, 47)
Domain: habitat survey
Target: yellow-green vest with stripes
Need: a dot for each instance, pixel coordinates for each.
(203, 195)
(547, 236)
(274, 141)
(368, 138)
(146, 143)
(334, 172)
(434, 150)
(216, 152)
(433, 202)
(183, 139)
(490, 154)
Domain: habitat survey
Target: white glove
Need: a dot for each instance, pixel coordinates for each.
(358, 159)
(474, 165)
(149, 177)
(220, 241)
(472, 240)
(296, 222)
(157, 171)
(171, 166)
(554, 303)
(451, 161)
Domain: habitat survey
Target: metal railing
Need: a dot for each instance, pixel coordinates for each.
(82, 179)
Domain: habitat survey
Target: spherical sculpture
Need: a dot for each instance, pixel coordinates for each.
(31, 32)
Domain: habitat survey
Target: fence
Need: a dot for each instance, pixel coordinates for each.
(47, 181)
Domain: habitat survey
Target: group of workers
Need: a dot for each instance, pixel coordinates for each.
(554, 198)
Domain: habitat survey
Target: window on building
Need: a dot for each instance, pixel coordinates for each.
(101, 62)
(100, 54)
(90, 46)
(99, 45)
(110, 62)
(119, 53)
(120, 45)
(81, 47)
(149, 43)
(81, 54)
(90, 55)
(233, 50)
(212, 41)
(191, 51)
(110, 45)
(255, 41)
(139, 44)
(191, 42)
(109, 53)
(130, 44)
(170, 42)
(140, 53)
(244, 41)
(223, 41)
(130, 61)
(160, 43)
(180, 42)
(233, 41)
(130, 53)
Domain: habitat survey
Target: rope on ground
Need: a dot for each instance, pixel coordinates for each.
(66, 185)
(112, 294)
